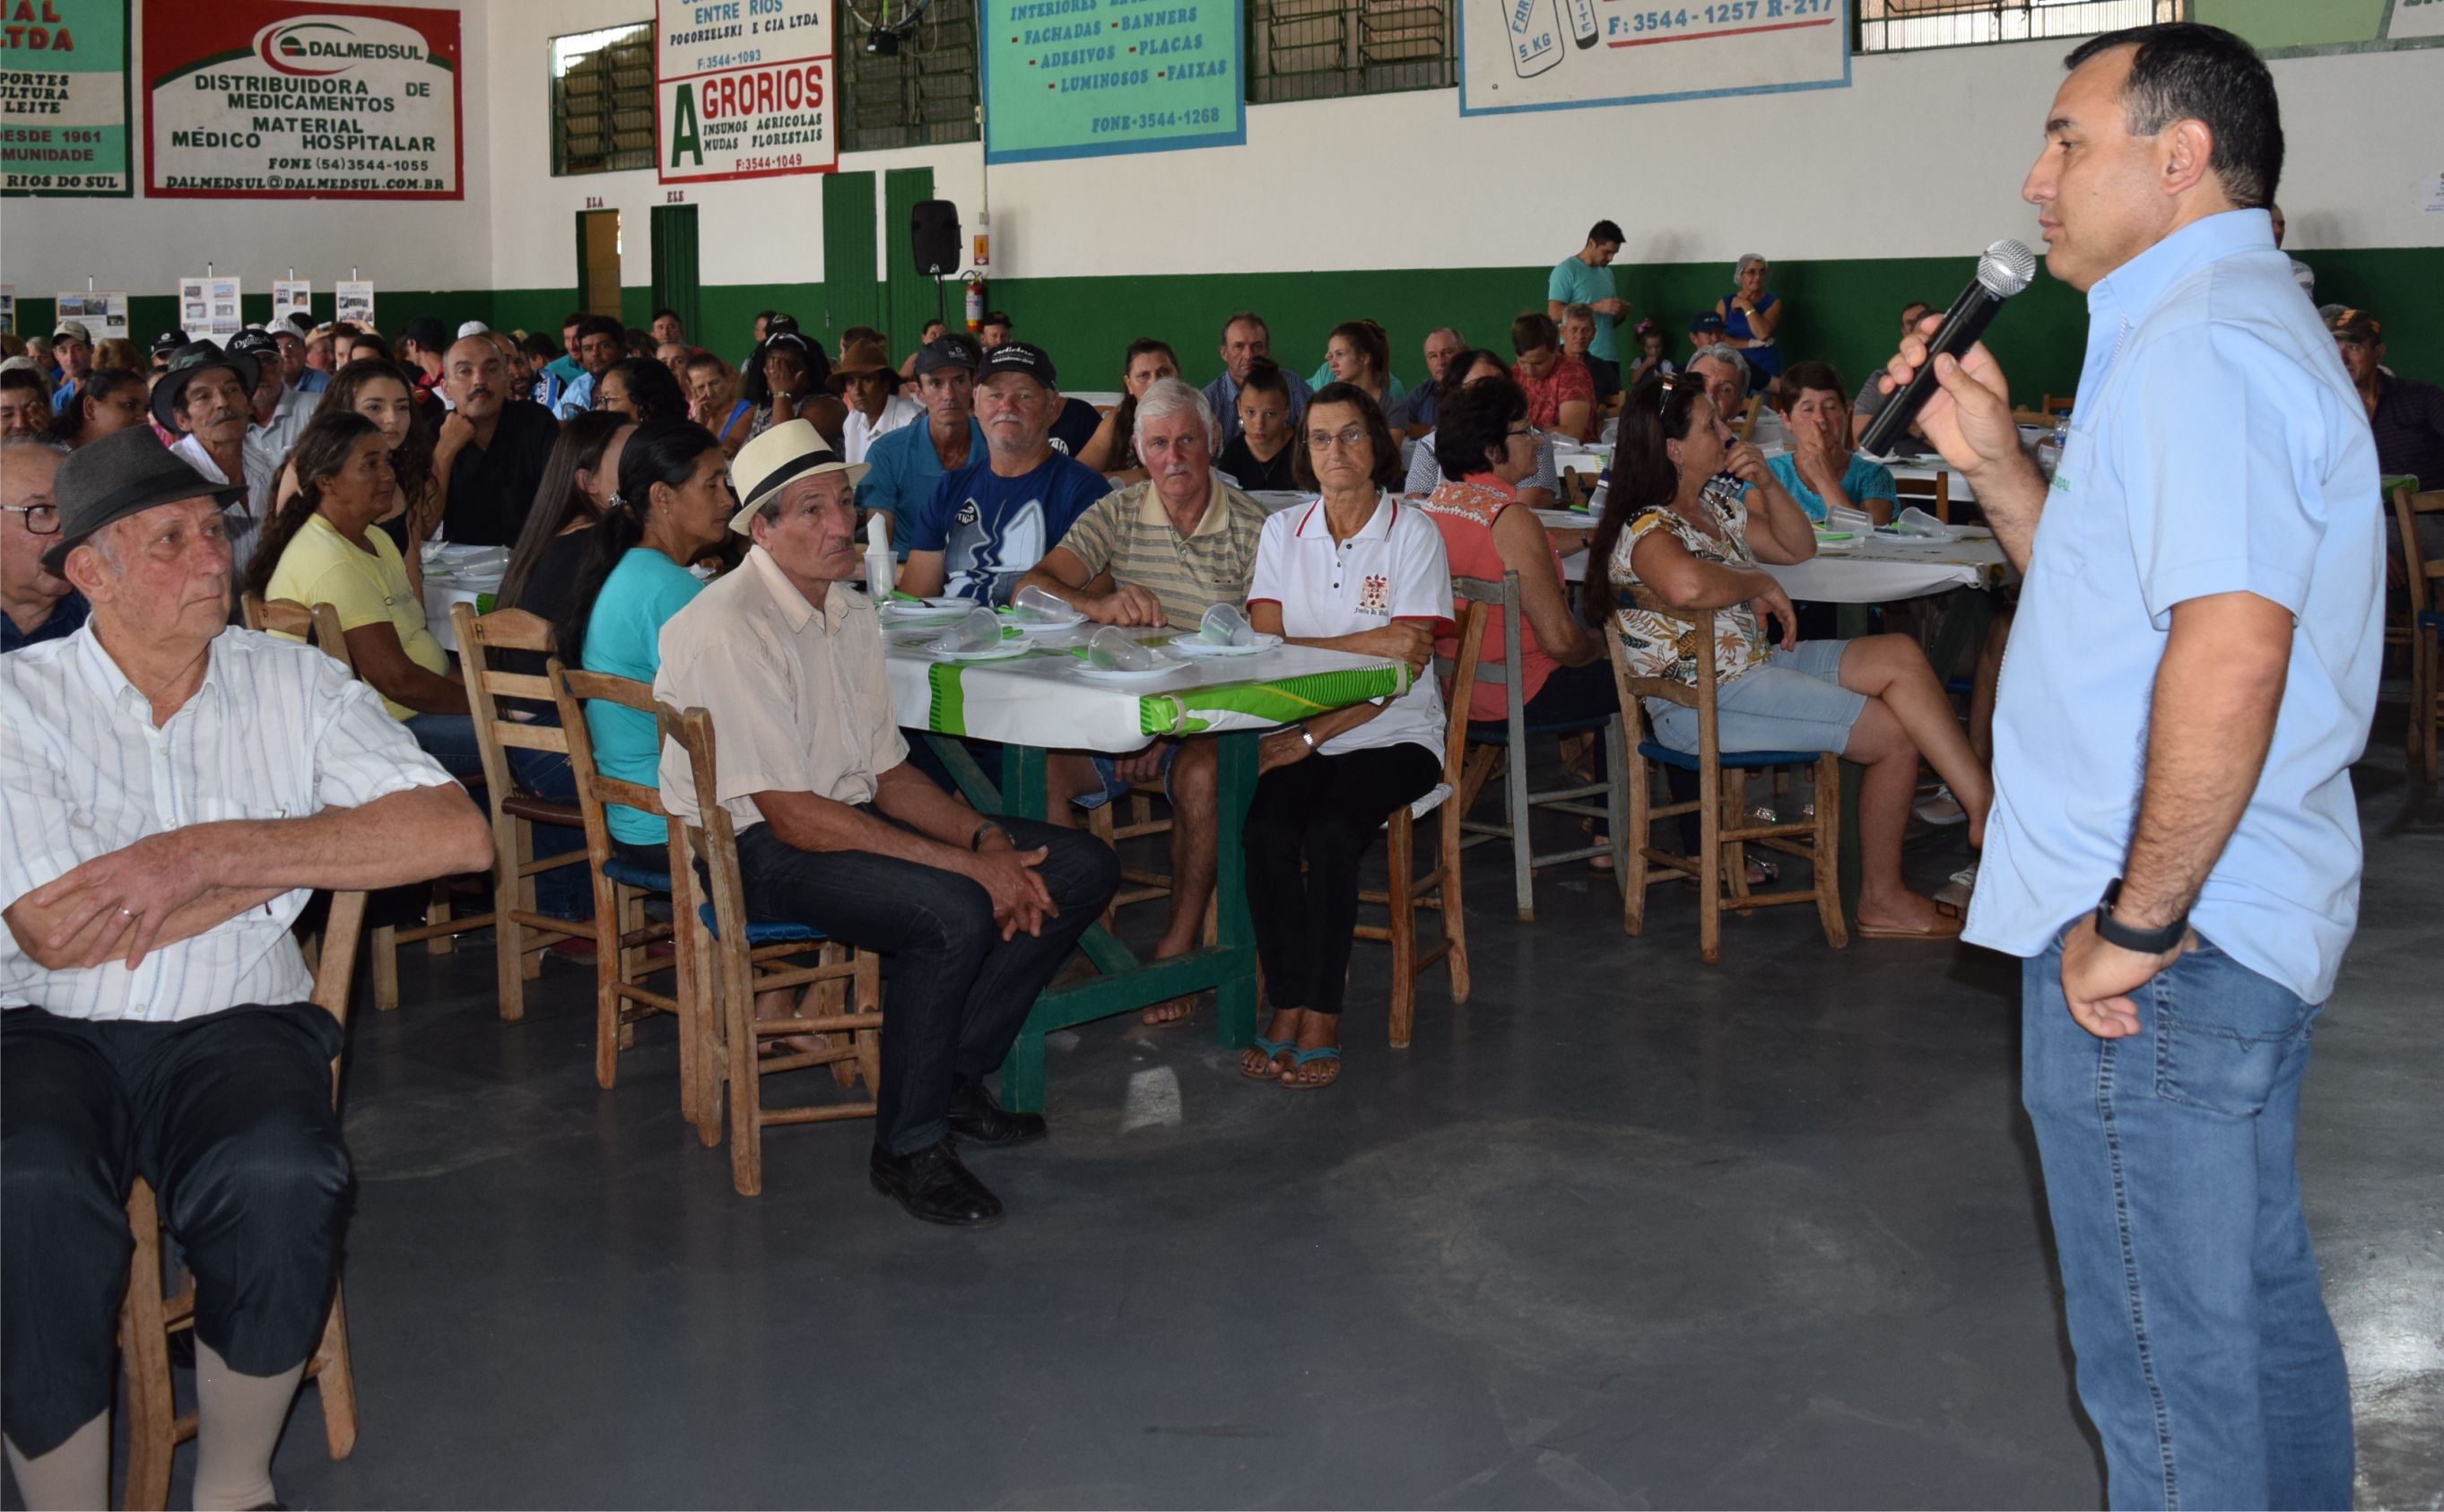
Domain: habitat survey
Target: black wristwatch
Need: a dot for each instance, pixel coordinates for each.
(2145, 941)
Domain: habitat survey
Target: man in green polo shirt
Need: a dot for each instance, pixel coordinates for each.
(1584, 277)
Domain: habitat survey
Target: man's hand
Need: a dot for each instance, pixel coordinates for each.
(455, 433)
(1615, 306)
(1142, 766)
(2099, 976)
(1772, 601)
(1408, 640)
(1020, 899)
(112, 907)
(1968, 419)
(1285, 748)
(1128, 604)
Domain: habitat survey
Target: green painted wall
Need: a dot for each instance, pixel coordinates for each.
(2272, 23)
(1840, 310)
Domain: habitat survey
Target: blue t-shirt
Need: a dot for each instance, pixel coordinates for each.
(623, 637)
(993, 530)
(1861, 480)
(901, 468)
(67, 616)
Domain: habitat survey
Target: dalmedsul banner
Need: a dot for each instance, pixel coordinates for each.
(1084, 78)
(743, 89)
(64, 97)
(1562, 54)
(277, 100)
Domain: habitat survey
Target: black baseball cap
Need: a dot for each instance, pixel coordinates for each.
(170, 340)
(254, 341)
(1019, 357)
(947, 350)
(1709, 320)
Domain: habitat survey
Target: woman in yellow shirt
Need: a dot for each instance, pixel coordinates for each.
(323, 549)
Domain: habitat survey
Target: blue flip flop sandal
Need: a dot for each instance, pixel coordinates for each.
(1271, 1048)
(1300, 1058)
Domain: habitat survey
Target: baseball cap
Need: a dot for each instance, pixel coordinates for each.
(1019, 357)
(72, 330)
(946, 351)
(253, 342)
(474, 328)
(781, 455)
(170, 340)
(1708, 320)
(2356, 324)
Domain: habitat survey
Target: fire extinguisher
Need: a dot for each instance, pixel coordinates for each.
(975, 280)
(975, 304)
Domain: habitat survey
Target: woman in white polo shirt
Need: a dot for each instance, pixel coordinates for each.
(1355, 570)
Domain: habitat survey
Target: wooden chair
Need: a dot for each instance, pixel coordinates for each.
(2054, 408)
(152, 1311)
(1932, 494)
(520, 934)
(2426, 632)
(318, 626)
(1720, 866)
(1748, 420)
(623, 937)
(1503, 746)
(1138, 885)
(1407, 892)
(739, 957)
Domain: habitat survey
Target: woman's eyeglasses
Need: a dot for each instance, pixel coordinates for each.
(1349, 440)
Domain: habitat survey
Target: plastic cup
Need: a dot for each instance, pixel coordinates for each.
(979, 631)
(1114, 648)
(1225, 625)
(1040, 606)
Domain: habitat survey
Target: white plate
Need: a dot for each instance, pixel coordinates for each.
(1000, 652)
(1031, 626)
(900, 613)
(1188, 644)
(1119, 677)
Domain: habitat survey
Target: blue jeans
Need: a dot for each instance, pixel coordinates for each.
(448, 739)
(2205, 1359)
(565, 892)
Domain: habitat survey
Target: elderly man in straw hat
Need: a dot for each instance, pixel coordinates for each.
(837, 830)
(172, 790)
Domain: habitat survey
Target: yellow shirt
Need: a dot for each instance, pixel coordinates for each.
(367, 587)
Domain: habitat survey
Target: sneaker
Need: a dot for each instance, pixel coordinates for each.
(1940, 807)
(1956, 890)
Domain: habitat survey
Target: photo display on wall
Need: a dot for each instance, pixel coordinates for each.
(353, 301)
(275, 99)
(105, 314)
(290, 296)
(1089, 78)
(1568, 54)
(743, 89)
(209, 308)
(63, 81)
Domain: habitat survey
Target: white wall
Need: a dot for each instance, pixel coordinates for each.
(1359, 183)
(144, 246)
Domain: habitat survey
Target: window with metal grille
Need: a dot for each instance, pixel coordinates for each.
(1320, 50)
(602, 100)
(1901, 26)
(924, 95)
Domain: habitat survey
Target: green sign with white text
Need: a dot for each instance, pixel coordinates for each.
(1087, 78)
(64, 97)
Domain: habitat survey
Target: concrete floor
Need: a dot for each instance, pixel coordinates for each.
(1622, 1231)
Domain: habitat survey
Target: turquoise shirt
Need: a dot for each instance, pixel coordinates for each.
(1861, 480)
(623, 637)
(1575, 282)
(2218, 448)
(901, 468)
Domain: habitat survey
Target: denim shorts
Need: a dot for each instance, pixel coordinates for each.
(1108, 768)
(1795, 701)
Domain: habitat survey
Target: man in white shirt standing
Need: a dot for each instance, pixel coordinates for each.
(173, 790)
(867, 382)
(206, 398)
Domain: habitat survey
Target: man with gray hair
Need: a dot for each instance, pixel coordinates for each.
(1725, 372)
(1442, 344)
(36, 603)
(1161, 552)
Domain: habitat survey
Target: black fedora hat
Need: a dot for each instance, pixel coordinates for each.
(125, 472)
(188, 360)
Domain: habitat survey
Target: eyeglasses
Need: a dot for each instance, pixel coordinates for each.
(41, 519)
(1349, 440)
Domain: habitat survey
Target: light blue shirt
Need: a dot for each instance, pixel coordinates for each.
(575, 399)
(1575, 282)
(901, 468)
(1861, 480)
(2218, 447)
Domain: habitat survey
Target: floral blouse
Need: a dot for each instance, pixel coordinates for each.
(1661, 644)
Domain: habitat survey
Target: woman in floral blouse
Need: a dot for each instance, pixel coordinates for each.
(1691, 514)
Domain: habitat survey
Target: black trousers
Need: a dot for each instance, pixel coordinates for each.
(1322, 811)
(229, 1116)
(958, 991)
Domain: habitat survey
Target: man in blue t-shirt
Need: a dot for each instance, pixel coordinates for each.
(988, 522)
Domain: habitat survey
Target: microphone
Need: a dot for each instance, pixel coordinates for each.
(2007, 269)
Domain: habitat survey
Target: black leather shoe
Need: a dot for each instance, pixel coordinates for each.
(932, 1186)
(979, 1120)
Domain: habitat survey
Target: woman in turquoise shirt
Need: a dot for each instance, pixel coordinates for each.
(1821, 470)
(673, 504)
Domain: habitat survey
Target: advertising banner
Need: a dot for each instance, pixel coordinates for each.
(64, 99)
(1087, 78)
(1565, 54)
(105, 314)
(209, 306)
(279, 99)
(742, 89)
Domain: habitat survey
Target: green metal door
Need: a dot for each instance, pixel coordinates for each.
(851, 296)
(674, 267)
(911, 294)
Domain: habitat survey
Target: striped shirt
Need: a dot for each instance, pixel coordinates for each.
(1129, 535)
(276, 732)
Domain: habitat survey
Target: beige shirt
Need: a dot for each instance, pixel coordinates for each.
(1129, 534)
(797, 694)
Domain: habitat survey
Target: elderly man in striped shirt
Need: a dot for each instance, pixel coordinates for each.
(1161, 552)
(173, 790)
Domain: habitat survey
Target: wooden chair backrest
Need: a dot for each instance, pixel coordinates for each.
(496, 732)
(336, 961)
(1699, 636)
(2059, 406)
(1936, 489)
(571, 688)
(318, 626)
(2423, 574)
(1749, 415)
(1458, 672)
(714, 838)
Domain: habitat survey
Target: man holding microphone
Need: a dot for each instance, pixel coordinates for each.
(2174, 848)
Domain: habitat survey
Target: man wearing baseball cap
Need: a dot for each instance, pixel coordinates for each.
(868, 384)
(990, 522)
(159, 1021)
(280, 412)
(2406, 414)
(72, 349)
(165, 344)
(206, 398)
(907, 463)
(837, 830)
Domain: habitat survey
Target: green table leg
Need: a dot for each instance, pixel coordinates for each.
(1234, 1016)
(1021, 782)
(1850, 623)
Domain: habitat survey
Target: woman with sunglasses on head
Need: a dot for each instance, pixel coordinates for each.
(1692, 513)
(783, 381)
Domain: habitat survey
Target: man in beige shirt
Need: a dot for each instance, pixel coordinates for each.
(1159, 553)
(837, 831)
